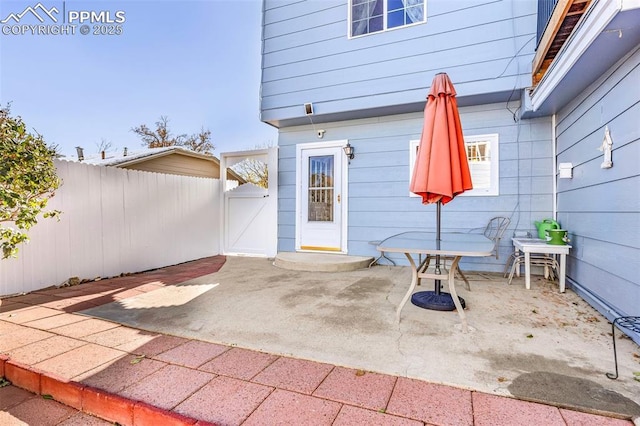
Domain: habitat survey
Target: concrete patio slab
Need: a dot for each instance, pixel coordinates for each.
(320, 262)
(282, 389)
(521, 337)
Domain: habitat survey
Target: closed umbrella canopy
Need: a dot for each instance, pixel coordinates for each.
(441, 169)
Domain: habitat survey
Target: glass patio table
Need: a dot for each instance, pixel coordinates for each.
(451, 244)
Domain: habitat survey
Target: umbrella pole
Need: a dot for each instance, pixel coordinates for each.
(438, 283)
(436, 300)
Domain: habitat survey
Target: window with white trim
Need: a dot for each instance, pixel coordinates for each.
(484, 164)
(373, 16)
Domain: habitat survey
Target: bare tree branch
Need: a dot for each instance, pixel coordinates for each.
(200, 142)
(104, 145)
(162, 137)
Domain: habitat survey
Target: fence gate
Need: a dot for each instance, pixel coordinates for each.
(249, 182)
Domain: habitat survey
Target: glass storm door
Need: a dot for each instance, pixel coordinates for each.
(321, 199)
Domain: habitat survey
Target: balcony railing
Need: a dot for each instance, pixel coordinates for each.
(556, 21)
(545, 9)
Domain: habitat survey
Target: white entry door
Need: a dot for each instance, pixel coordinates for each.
(321, 206)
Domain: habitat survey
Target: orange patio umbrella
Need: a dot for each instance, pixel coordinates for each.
(441, 169)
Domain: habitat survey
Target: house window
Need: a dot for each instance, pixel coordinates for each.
(372, 16)
(482, 153)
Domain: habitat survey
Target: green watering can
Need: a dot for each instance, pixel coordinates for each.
(557, 237)
(544, 225)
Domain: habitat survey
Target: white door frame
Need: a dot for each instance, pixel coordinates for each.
(344, 170)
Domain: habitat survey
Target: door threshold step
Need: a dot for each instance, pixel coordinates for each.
(320, 262)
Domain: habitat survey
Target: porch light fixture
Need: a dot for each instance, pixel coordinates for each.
(348, 151)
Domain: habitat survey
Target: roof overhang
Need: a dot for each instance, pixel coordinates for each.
(404, 108)
(176, 151)
(607, 32)
(158, 153)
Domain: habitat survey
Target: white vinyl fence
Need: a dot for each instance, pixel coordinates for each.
(116, 221)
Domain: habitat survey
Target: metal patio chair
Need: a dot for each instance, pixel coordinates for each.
(548, 262)
(494, 231)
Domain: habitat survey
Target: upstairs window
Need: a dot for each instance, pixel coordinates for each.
(372, 16)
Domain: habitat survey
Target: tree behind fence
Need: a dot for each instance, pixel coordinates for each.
(116, 221)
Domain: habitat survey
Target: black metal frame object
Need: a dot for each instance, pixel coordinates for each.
(630, 323)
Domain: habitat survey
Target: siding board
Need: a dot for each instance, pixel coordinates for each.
(616, 196)
(308, 57)
(601, 207)
(589, 225)
(621, 296)
(589, 173)
(469, 20)
(332, 54)
(469, 79)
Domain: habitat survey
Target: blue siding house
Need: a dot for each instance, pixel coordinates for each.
(540, 85)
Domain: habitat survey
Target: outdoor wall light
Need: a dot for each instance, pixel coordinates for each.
(348, 151)
(308, 108)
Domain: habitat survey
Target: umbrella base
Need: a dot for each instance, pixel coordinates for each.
(435, 301)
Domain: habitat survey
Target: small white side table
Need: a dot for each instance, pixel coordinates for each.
(536, 245)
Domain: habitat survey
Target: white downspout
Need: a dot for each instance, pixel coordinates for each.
(554, 149)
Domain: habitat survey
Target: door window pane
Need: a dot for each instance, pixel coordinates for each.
(321, 176)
